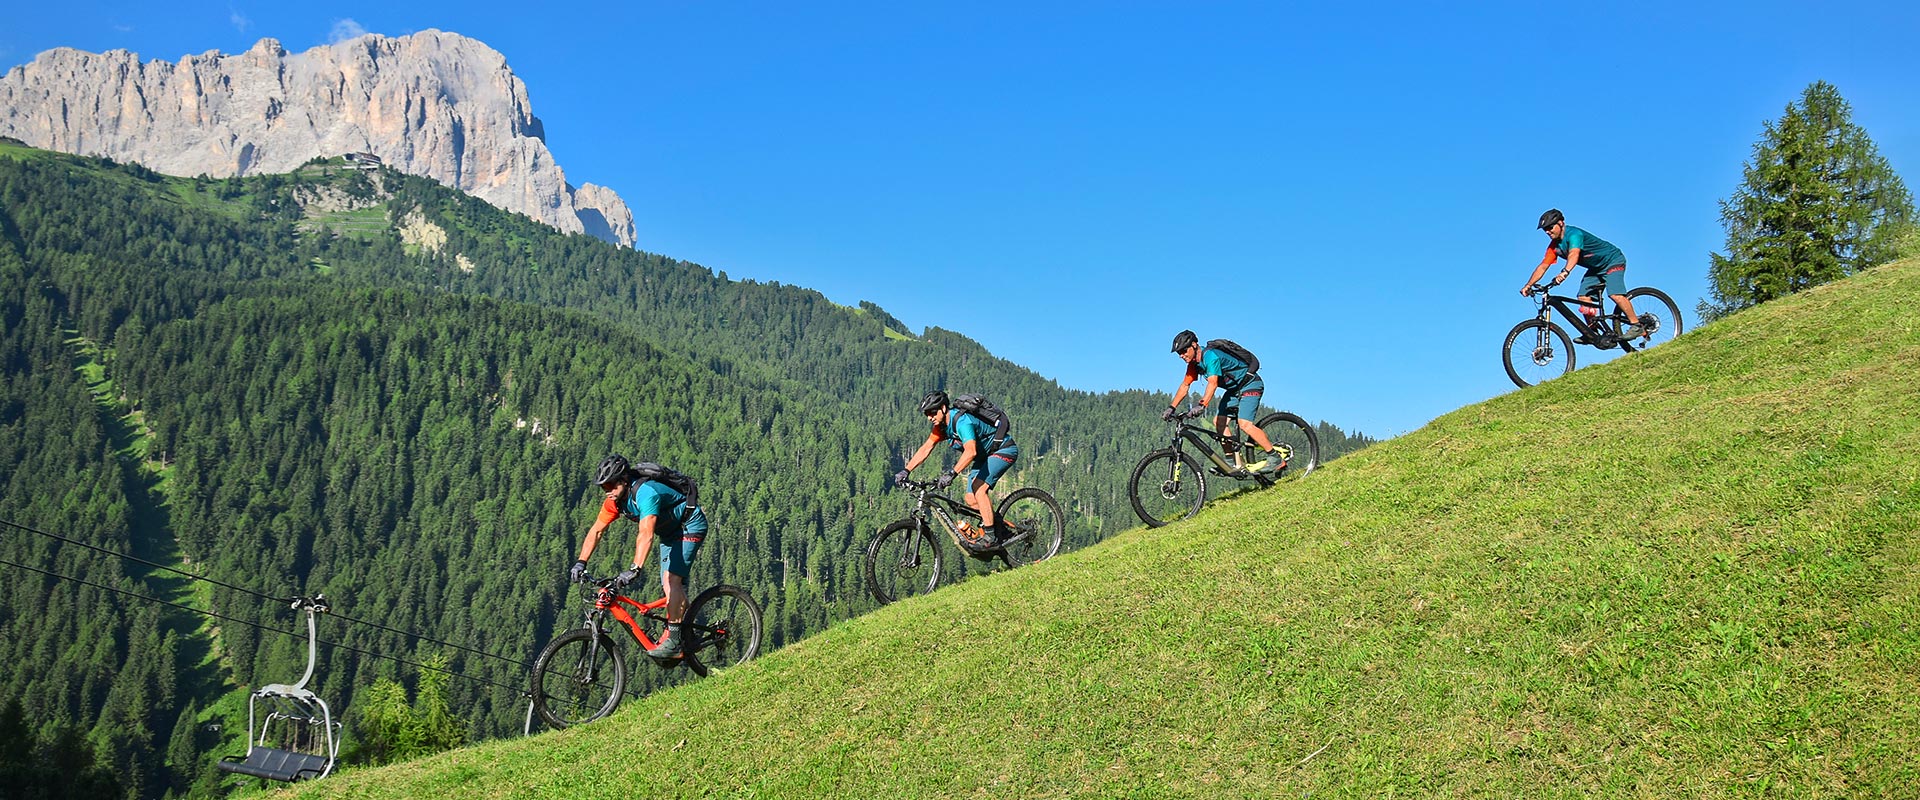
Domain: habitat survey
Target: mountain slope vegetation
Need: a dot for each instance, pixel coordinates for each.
(370, 386)
(1689, 572)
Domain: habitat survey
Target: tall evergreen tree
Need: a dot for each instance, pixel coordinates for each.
(1817, 203)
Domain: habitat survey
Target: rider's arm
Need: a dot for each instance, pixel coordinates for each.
(1540, 270)
(1213, 384)
(644, 542)
(1185, 383)
(968, 450)
(608, 513)
(926, 448)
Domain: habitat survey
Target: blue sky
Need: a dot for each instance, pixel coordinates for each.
(1348, 191)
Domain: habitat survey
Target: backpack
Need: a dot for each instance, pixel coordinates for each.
(679, 482)
(979, 406)
(1227, 346)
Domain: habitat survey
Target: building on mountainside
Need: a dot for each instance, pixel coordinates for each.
(364, 160)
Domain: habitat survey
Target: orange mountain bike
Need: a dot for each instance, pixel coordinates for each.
(581, 676)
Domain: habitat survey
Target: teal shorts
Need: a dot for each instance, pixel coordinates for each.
(1243, 403)
(996, 465)
(677, 556)
(1613, 278)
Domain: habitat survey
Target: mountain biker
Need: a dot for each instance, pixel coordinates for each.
(982, 457)
(661, 512)
(1606, 267)
(1242, 388)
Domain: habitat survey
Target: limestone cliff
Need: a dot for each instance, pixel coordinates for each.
(435, 104)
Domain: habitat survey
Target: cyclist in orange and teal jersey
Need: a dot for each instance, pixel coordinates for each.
(1240, 386)
(1606, 267)
(983, 457)
(662, 512)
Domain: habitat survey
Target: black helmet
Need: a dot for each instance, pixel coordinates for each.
(612, 468)
(934, 399)
(1550, 218)
(1184, 340)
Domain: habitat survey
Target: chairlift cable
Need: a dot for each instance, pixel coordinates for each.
(279, 600)
(519, 690)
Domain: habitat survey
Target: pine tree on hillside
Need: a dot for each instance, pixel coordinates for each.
(1818, 203)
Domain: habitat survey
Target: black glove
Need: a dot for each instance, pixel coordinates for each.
(1169, 414)
(577, 573)
(900, 478)
(628, 576)
(1196, 411)
(946, 479)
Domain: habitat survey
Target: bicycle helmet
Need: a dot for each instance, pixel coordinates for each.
(934, 399)
(612, 468)
(1184, 340)
(1549, 219)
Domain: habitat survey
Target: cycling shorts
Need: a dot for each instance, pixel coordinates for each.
(676, 556)
(1613, 278)
(1243, 403)
(996, 465)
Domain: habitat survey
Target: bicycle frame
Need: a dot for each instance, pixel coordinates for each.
(1204, 439)
(606, 601)
(927, 500)
(1604, 327)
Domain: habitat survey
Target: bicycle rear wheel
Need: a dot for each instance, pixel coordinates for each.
(577, 679)
(902, 560)
(1294, 435)
(1535, 351)
(1167, 485)
(1034, 517)
(722, 629)
(1654, 305)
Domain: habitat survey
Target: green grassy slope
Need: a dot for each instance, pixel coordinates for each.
(1686, 573)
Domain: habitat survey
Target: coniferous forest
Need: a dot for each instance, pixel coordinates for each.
(367, 385)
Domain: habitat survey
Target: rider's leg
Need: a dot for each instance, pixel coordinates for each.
(676, 588)
(674, 558)
(978, 496)
(1616, 285)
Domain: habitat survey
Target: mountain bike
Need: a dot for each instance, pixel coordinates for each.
(1168, 484)
(904, 558)
(1539, 349)
(581, 675)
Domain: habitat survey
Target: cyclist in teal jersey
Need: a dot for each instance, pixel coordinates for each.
(1241, 387)
(1606, 267)
(661, 512)
(983, 459)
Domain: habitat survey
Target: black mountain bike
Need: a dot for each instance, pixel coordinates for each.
(904, 558)
(1539, 349)
(1168, 484)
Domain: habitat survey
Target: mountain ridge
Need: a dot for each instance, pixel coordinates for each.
(433, 103)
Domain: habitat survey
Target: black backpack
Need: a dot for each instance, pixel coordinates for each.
(649, 471)
(1227, 346)
(979, 406)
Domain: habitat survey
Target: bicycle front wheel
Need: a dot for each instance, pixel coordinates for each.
(722, 629)
(1653, 305)
(902, 560)
(578, 678)
(1295, 438)
(1535, 351)
(1033, 517)
(1166, 486)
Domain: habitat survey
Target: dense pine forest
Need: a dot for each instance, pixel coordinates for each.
(366, 385)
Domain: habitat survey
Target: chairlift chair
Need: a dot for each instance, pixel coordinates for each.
(295, 717)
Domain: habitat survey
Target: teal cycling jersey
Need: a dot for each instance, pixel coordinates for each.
(656, 499)
(1595, 253)
(1231, 371)
(963, 427)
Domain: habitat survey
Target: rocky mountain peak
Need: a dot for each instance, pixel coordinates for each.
(433, 103)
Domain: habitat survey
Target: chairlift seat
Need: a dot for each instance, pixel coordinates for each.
(275, 764)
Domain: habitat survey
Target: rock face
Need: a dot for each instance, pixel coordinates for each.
(434, 104)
